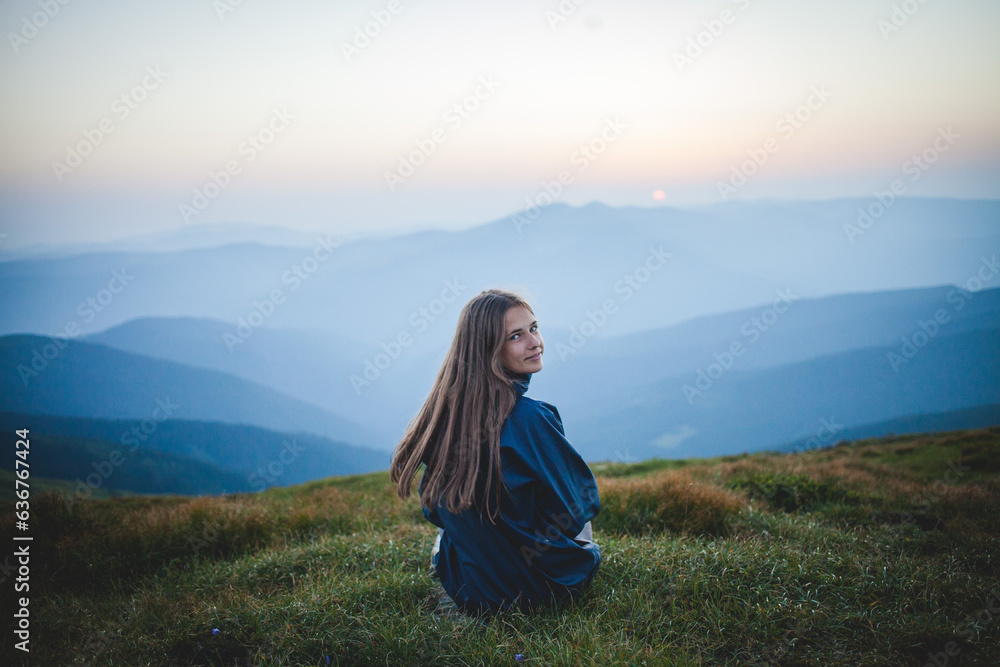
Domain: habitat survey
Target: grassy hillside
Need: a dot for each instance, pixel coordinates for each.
(875, 552)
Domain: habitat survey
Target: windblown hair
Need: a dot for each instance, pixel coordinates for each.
(456, 434)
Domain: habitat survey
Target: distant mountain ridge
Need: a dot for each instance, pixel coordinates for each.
(939, 422)
(315, 367)
(311, 366)
(809, 329)
(749, 410)
(180, 456)
(723, 258)
(95, 381)
(668, 332)
(814, 341)
(188, 237)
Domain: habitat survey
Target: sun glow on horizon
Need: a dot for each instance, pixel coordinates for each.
(489, 98)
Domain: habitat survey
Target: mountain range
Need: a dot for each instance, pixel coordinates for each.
(668, 333)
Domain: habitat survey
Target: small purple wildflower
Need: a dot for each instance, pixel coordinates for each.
(519, 657)
(215, 631)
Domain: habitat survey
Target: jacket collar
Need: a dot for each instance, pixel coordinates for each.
(521, 381)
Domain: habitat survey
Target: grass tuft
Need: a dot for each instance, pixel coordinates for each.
(668, 501)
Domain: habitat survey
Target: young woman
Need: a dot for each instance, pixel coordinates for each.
(510, 496)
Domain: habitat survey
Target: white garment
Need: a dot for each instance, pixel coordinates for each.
(437, 544)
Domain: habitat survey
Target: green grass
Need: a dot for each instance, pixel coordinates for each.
(867, 553)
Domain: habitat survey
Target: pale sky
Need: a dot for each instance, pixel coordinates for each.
(338, 122)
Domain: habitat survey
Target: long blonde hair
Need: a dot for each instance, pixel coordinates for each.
(456, 434)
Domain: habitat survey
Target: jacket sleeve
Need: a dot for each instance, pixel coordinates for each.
(566, 491)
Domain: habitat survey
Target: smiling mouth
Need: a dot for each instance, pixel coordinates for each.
(537, 356)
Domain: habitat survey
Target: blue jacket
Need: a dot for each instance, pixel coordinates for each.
(530, 555)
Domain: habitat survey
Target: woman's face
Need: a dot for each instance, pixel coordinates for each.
(523, 346)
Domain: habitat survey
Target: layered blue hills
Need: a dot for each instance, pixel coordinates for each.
(668, 333)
